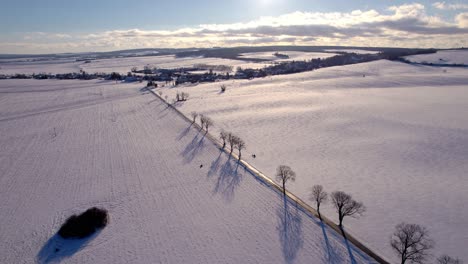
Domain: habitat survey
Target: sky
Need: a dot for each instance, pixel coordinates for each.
(57, 26)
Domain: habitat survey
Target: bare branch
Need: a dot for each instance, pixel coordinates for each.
(446, 259)
(285, 173)
(194, 116)
(319, 196)
(208, 123)
(346, 206)
(223, 135)
(240, 145)
(232, 140)
(411, 243)
(202, 121)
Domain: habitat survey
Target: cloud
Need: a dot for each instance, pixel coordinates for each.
(445, 6)
(462, 20)
(406, 25)
(411, 10)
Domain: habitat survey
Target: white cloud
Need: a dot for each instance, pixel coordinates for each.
(405, 26)
(462, 20)
(445, 6)
(408, 10)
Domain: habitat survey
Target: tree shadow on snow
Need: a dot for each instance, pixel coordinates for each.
(184, 132)
(290, 230)
(144, 90)
(332, 255)
(57, 248)
(193, 148)
(215, 165)
(229, 178)
(163, 113)
(348, 246)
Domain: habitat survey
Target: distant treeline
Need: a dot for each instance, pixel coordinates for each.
(235, 52)
(184, 75)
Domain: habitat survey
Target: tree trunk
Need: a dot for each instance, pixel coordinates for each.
(403, 255)
(318, 211)
(284, 188)
(340, 217)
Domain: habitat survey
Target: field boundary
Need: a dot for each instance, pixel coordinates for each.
(299, 202)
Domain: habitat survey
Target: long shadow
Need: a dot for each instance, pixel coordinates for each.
(332, 256)
(152, 101)
(228, 180)
(57, 248)
(163, 113)
(184, 132)
(215, 165)
(144, 90)
(348, 246)
(290, 230)
(193, 148)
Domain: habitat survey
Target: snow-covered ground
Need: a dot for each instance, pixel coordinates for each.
(167, 62)
(71, 145)
(293, 55)
(442, 57)
(121, 65)
(357, 51)
(45, 66)
(396, 139)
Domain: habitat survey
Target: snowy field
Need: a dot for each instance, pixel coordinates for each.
(121, 65)
(71, 145)
(396, 139)
(293, 55)
(50, 66)
(357, 51)
(442, 57)
(124, 65)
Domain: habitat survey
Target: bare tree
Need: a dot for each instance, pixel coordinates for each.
(208, 123)
(319, 196)
(184, 96)
(181, 96)
(194, 116)
(232, 140)
(411, 243)
(202, 121)
(283, 174)
(240, 145)
(223, 135)
(346, 206)
(446, 259)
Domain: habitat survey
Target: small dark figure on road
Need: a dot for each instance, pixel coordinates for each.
(254, 156)
(201, 166)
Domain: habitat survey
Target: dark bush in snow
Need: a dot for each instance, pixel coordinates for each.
(85, 224)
